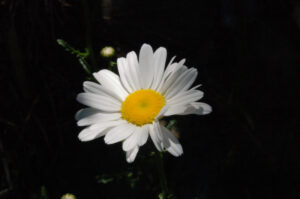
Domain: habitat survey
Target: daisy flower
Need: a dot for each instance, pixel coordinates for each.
(127, 107)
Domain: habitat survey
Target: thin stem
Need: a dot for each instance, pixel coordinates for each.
(161, 172)
(88, 33)
(162, 175)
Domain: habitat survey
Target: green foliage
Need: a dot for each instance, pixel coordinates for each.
(112, 65)
(105, 179)
(81, 56)
(44, 194)
(169, 196)
(161, 196)
(171, 124)
(132, 178)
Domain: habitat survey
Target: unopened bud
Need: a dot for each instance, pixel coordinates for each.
(68, 196)
(107, 52)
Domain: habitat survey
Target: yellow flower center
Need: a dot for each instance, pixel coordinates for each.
(142, 106)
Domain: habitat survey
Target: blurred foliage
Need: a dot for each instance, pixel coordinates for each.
(128, 177)
(44, 194)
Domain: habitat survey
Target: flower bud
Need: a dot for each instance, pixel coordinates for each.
(68, 196)
(107, 52)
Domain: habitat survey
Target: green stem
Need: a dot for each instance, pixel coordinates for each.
(162, 175)
(88, 33)
(161, 172)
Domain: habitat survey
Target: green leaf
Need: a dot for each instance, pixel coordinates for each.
(81, 56)
(84, 65)
(130, 174)
(171, 196)
(152, 153)
(161, 196)
(44, 194)
(105, 180)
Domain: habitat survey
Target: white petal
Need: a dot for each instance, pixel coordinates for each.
(169, 70)
(112, 82)
(184, 98)
(160, 56)
(174, 147)
(134, 70)
(91, 134)
(144, 134)
(124, 72)
(97, 130)
(130, 155)
(85, 112)
(119, 133)
(146, 66)
(138, 138)
(92, 87)
(171, 65)
(154, 137)
(98, 117)
(195, 87)
(175, 110)
(182, 83)
(197, 108)
(170, 62)
(164, 142)
(162, 112)
(131, 141)
(175, 72)
(157, 130)
(104, 103)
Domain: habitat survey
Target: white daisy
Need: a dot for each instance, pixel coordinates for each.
(127, 108)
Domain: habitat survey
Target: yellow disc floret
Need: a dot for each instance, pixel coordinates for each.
(142, 106)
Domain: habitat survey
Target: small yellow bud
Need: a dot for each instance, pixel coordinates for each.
(107, 52)
(68, 196)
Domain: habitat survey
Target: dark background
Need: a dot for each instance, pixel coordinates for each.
(247, 54)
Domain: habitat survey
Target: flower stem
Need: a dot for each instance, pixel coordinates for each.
(162, 176)
(161, 172)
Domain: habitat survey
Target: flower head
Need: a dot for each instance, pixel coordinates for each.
(127, 107)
